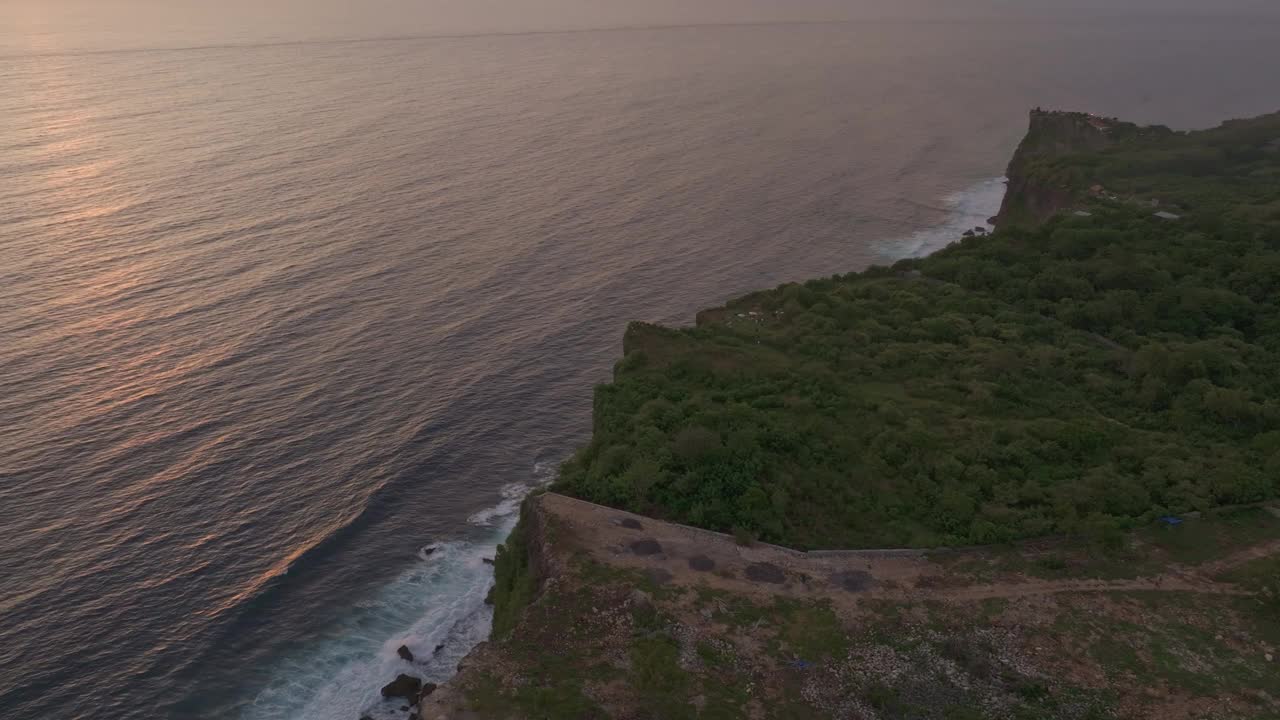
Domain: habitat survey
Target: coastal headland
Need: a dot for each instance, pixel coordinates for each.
(1067, 431)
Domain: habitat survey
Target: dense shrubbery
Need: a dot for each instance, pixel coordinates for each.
(515, 580)
(1077, 377)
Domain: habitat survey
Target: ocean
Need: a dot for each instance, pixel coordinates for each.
(288, 325)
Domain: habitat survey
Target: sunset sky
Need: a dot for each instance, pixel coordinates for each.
(55, 25)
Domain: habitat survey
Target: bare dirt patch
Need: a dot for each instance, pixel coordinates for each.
(646, 547)
(702, 563)
(640, 627)
(766, 573)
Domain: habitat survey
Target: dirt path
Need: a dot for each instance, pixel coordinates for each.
(1238, 558)
(691, 556)
(1161, 583)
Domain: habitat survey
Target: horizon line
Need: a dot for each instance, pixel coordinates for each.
(267, 43)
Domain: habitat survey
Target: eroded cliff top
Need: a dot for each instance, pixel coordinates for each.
(637, 618)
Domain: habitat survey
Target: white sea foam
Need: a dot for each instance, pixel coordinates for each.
(440, 600)
(512, 495)
(968, 209)
(437, 602)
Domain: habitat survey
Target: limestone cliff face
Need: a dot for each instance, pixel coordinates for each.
(1029, 199)
(546, 562)
(1033, 197)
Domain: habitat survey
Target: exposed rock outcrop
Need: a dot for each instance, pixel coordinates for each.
(1033, 197)
(404, 686)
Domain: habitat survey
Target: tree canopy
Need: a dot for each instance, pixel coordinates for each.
(1085, 375)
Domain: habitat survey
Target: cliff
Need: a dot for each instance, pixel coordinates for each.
(1106, 379)
(640, 619)
(1038, 187)
(1034, 196)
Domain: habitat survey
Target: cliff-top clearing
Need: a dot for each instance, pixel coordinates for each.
(639, 618)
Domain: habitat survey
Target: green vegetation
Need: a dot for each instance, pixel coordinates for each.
(558, 699)
(1084, 376)
(1080, 378)
(1214, 536)
(1261, 576)
(1199, 644)
(514, 580)
(565, 655)
(658, 677)
(590, 647)
(607, 636)
(809, 631)
(1146, 552)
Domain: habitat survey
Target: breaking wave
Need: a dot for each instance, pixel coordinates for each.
(436, 608)
(966, 210)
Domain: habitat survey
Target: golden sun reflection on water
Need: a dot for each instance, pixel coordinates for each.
(79, 188)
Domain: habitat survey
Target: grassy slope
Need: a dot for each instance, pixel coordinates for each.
(608, 642)
(1084, 376)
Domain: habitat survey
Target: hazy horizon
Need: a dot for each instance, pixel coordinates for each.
(56, 26)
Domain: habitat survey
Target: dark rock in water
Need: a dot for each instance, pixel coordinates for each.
(487, 561)
(404, 708)
(646, 547)
(427, 689)
(766, 573)
(365, 717)
(413, 716)
(438, 649)
(702, 563)
(428, 549)
(404, 653)
(404, 686)
(631, 524)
